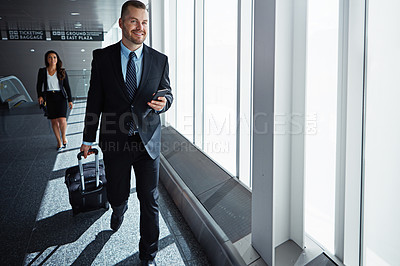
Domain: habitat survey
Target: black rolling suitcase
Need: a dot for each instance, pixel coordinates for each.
(86, 185)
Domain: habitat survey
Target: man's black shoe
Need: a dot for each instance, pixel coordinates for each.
(117, 217)
(148, 263)
(116, 221)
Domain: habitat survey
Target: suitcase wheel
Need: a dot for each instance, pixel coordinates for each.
(106, 205)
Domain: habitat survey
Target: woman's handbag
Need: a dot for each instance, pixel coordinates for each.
(44, 107)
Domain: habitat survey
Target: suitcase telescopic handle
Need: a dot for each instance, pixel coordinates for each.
(95, 151)
(97, 171)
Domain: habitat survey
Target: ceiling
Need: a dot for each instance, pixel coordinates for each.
(89, 15)
(23, 58)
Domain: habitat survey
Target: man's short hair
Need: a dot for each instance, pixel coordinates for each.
(134, 3)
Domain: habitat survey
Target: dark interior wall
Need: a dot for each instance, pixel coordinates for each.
(17, 59)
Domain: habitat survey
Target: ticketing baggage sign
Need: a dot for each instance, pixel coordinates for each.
(30, 35)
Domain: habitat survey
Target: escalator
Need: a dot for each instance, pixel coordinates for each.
(12, 92)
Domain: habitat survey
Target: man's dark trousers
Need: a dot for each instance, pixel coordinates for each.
(118, 162)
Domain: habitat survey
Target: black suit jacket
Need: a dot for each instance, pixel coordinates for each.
(42, 80)
(108, 97)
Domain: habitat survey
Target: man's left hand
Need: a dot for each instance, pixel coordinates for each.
(159, 104)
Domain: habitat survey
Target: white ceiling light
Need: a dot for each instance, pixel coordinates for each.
(75, 13)
(32, 50)
(84, 60)
(82, 50)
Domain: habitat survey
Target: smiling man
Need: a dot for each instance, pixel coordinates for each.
(124, 78)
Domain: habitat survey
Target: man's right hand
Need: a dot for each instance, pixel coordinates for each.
(85, 149)
(40, 100)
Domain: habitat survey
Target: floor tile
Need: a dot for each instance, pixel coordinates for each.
(36, 221)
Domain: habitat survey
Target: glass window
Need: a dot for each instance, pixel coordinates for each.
(321, 113)
(381, 229)
(220, 81)
(245, 91)
(184, 65)
(170, 51)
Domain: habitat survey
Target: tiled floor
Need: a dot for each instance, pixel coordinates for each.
(36, 222)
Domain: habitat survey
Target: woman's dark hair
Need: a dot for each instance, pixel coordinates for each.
(60, 70)
(133, 3)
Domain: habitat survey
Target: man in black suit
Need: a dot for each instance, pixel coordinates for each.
(124, 78)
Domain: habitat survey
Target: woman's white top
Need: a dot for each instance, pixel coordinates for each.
(52, 81)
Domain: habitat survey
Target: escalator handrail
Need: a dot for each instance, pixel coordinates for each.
(25, 93)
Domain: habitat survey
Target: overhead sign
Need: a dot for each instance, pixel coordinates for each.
(77, 36)
(36, 35)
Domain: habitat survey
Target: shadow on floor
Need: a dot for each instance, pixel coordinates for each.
(134, 259)
(61, 229)
(89, 254)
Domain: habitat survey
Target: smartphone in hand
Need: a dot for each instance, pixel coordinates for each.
(160, 93)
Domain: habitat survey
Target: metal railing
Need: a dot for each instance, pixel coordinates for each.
(79, 82)
(13, 92)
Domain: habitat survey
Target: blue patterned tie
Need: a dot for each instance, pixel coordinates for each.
(131, 84)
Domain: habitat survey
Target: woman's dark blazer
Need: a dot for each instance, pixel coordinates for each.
(42, 79)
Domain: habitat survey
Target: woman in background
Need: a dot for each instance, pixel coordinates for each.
(55, 93)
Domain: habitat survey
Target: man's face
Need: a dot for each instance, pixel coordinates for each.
(134, 25)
